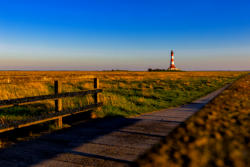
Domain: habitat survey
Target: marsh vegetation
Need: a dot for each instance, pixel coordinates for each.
(218, 135)
(125, 93)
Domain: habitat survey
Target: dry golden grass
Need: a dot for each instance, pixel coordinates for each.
(15, 84)
(125, 93)
(218, 135)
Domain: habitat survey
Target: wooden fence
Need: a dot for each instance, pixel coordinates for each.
(57, 97)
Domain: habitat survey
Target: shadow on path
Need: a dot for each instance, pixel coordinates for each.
(104, 142)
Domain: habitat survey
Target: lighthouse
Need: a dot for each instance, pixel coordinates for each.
(172, 66)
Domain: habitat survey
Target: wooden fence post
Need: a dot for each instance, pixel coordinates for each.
(96, 86)
(60, 122)
(58, 102)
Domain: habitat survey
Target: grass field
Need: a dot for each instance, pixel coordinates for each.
(218, 135)
(125, 93)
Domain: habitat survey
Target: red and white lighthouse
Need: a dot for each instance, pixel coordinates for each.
(172, 66)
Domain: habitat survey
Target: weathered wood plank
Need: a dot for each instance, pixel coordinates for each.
(47, 97)
(54, 116)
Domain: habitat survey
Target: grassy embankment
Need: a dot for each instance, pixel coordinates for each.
(125, 93)
(218, 135)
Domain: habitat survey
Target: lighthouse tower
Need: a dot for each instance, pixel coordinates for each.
(172, 66)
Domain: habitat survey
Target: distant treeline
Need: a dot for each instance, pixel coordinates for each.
(158, 69)
(115, 70)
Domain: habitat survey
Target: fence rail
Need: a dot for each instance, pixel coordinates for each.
(47, 97)
(57, 96)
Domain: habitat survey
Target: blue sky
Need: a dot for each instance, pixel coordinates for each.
(124, 34)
